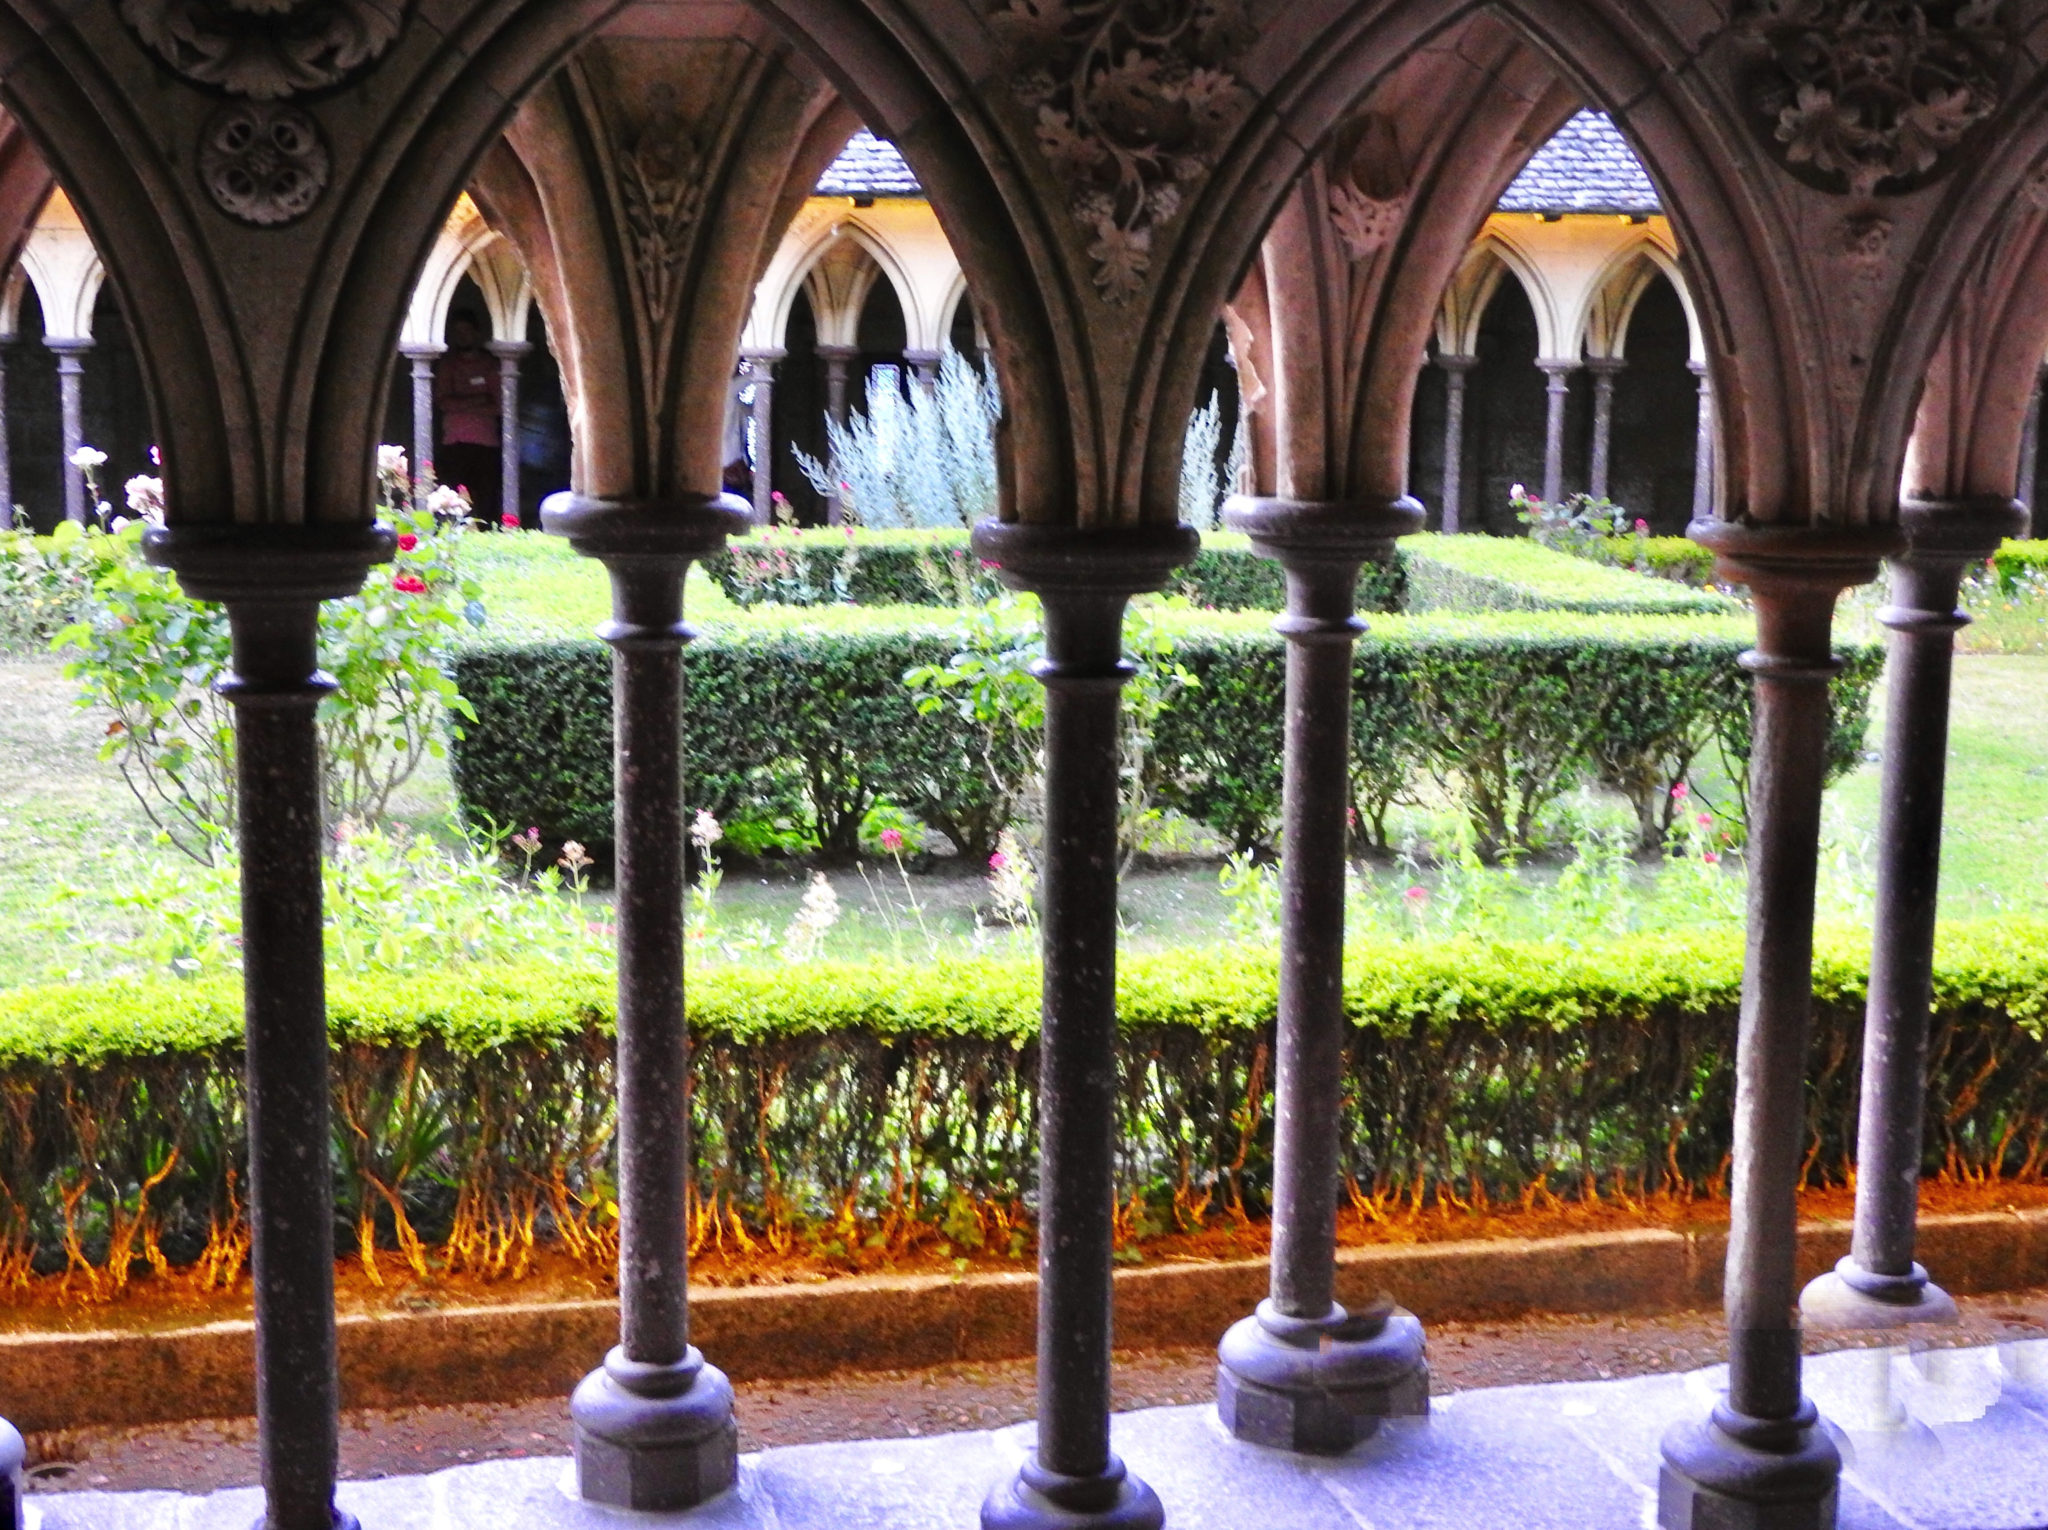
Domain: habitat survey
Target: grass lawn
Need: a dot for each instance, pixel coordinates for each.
(67, 821)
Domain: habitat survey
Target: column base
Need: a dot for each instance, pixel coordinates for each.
(1739, 1473)
(654, 1437)
(1320, 1385)
(1036, 1499)
(1851, 1297)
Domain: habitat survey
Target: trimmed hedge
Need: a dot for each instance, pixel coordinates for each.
(481, 1104)
(1482, 573)
(936, 568)
(802, 715)
(1678, 559)
(2015, 560)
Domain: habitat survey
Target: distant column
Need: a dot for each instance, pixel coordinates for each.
(1604, 369)
(924, 365)
(1560, 375)
(2030, 448)
(838, 361)
(510, 354)
(1703, 447)
(760, 371)
(1456, 370)
(6, 457)
(70, 384)
(422, 358)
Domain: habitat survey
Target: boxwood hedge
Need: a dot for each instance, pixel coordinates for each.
(803, 716)
(479, 1104)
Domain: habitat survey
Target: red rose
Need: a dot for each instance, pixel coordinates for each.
(409, 584)
(407, 541)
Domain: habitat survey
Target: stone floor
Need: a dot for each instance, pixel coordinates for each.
(1942, 1440)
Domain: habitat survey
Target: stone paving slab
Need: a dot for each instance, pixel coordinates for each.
(1950, 1440)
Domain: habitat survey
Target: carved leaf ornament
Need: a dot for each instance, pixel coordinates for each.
(1134, 100)
(266, 49)
(1862, 92)
(661, 183)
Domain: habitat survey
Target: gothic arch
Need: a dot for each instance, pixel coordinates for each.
(468, 246)
(1628, 274)
(1492, 260)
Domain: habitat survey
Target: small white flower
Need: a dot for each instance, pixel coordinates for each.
(392, 463)
(146, 498)
(705, 831)
(449, 504)
(88, 457)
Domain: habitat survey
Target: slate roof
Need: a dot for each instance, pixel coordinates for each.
(869, 167)
(1587, 168)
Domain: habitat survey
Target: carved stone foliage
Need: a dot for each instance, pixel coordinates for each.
(661, 185)
(1368, 184)
(266, 49)
(263, 163)
(1862, 93)
(1134, 100)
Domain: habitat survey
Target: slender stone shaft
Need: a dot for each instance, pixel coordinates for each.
(272, 580)
(2030, 446)
(924, 367)
(422, 358)
(838, 361)
(1703, 446)
(1762, 1459)
(1604, 371)
(1879, 1284)
(6, 451)
(510, 354)
(1084, 581)
(760, 367)
(1456, 370)
(1302, 1373)
(71, 405)
(654, 1425)
(1559, 391)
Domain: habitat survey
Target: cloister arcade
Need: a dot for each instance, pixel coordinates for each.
(1865, 249)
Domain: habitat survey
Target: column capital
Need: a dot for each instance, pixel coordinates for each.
(269, 565)
(422, 350)
(511, 350)
(1322, 544)
(763, 355)
(1961, 531)
(1556, 367)
(682, 527)
(1794, 574)
(66, 346)
(1455, 364)
(838, 352)
(1698, 369)
(1084, 579)
(1606, 366)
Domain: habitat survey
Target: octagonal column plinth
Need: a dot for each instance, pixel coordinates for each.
(1878, 1284)
(272, 580)
(654, 1423)
(1084, 579)
(1302, 1373)
(1761, 1462)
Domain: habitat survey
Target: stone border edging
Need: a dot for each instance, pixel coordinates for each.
(890, 1322)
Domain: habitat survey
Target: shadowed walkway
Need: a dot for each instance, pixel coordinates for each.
(1946, 1440)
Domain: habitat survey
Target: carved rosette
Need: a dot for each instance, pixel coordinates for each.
(264, 163)
(661, 187)
(1859, 94)
(1134, 100)
(266, 49)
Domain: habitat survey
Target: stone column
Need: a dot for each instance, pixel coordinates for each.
(272, 580)
(1456, 370)
(6, 453)
(510, 354)
(1072, 1481)
(760, 367)
(2030, 447)
(654, 1424)
(1761, 1461)
(1878, 1284)
(1560, 391)
(1703, 446)
(71, 396)
(423, 358)
(838, 359)
(1604, 369)
(1302, 1373)
(924, 366)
